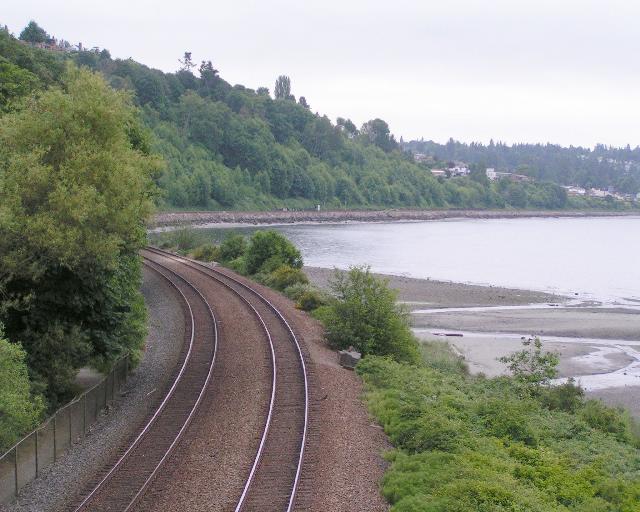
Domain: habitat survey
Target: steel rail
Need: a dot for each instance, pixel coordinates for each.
(267, 426)
(204, 269)
(166, 399)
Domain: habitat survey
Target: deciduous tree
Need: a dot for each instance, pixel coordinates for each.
(282, 90)
(75, 190)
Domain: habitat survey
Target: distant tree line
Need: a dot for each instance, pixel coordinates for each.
(601, 167)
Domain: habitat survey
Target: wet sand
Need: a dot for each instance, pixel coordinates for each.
(598, 346)
(428, 293)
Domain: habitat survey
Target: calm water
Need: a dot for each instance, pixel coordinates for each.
(598, 257)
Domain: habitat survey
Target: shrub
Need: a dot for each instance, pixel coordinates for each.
(295, 291)
(19, 409)
(238, 265)
(565, 397)
(232, 247)
(508, 419)
(184, 239)
(285, 276)
(440, 355)
(365, 315)
(269, 250)
(532, 367)
(206, 252)
(311, 300)
(608, 419)
(465, 443)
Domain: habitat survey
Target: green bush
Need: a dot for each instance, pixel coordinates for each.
(206, 252)
(532, 367)
(232, 247)
(365, 315)
(311, 300)
(565, 397)
(269, 250)
(20, 410)
(238, 265)
(285, 276)
(439, 355)
(466, 443)
(608, 419)
(184, 239)
(295, 291)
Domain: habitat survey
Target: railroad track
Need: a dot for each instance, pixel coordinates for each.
(120, 486)
(273, 480)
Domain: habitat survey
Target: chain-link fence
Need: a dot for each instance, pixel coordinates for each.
(22, 463)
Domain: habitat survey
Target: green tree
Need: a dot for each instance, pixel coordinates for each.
(15, 83)
(33, 33)
(365, 315)
(532, 367)
(20, 409)
(282, 90)
(187, 62)
(377, 132)
(75, 191)
(269, 250)
(303, 102)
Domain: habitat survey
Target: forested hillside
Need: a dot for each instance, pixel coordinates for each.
(230, 147)
(601, 167)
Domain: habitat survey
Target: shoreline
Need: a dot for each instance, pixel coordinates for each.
(168, 219)
(417, 293)
(599, 345)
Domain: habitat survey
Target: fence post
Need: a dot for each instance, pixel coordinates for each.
(15, 468)
(37, 468)
(55, 448)
(84, 414)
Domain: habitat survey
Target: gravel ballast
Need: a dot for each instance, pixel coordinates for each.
(344, 455)
(208, 469)
(58, 485)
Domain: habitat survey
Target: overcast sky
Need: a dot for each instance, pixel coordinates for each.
(560, 71)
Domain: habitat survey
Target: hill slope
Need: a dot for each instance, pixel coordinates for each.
(230, 147)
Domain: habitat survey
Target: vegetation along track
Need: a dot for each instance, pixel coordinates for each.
(120, 486)
(273, 480)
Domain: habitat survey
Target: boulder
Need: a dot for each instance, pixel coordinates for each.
(349, 358)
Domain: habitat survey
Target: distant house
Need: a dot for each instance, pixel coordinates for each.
(596, 192)
(575, 191)
(492, 174)
(459, 170)
(517, 177)
(439, 172)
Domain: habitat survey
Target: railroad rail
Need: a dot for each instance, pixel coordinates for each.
(121, 486)
(274, 477)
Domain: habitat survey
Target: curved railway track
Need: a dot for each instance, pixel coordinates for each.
(273, 480)
(120, 487)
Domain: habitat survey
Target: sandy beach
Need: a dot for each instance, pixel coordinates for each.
(599, 345)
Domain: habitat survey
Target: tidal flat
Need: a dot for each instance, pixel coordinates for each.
(598, 344)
